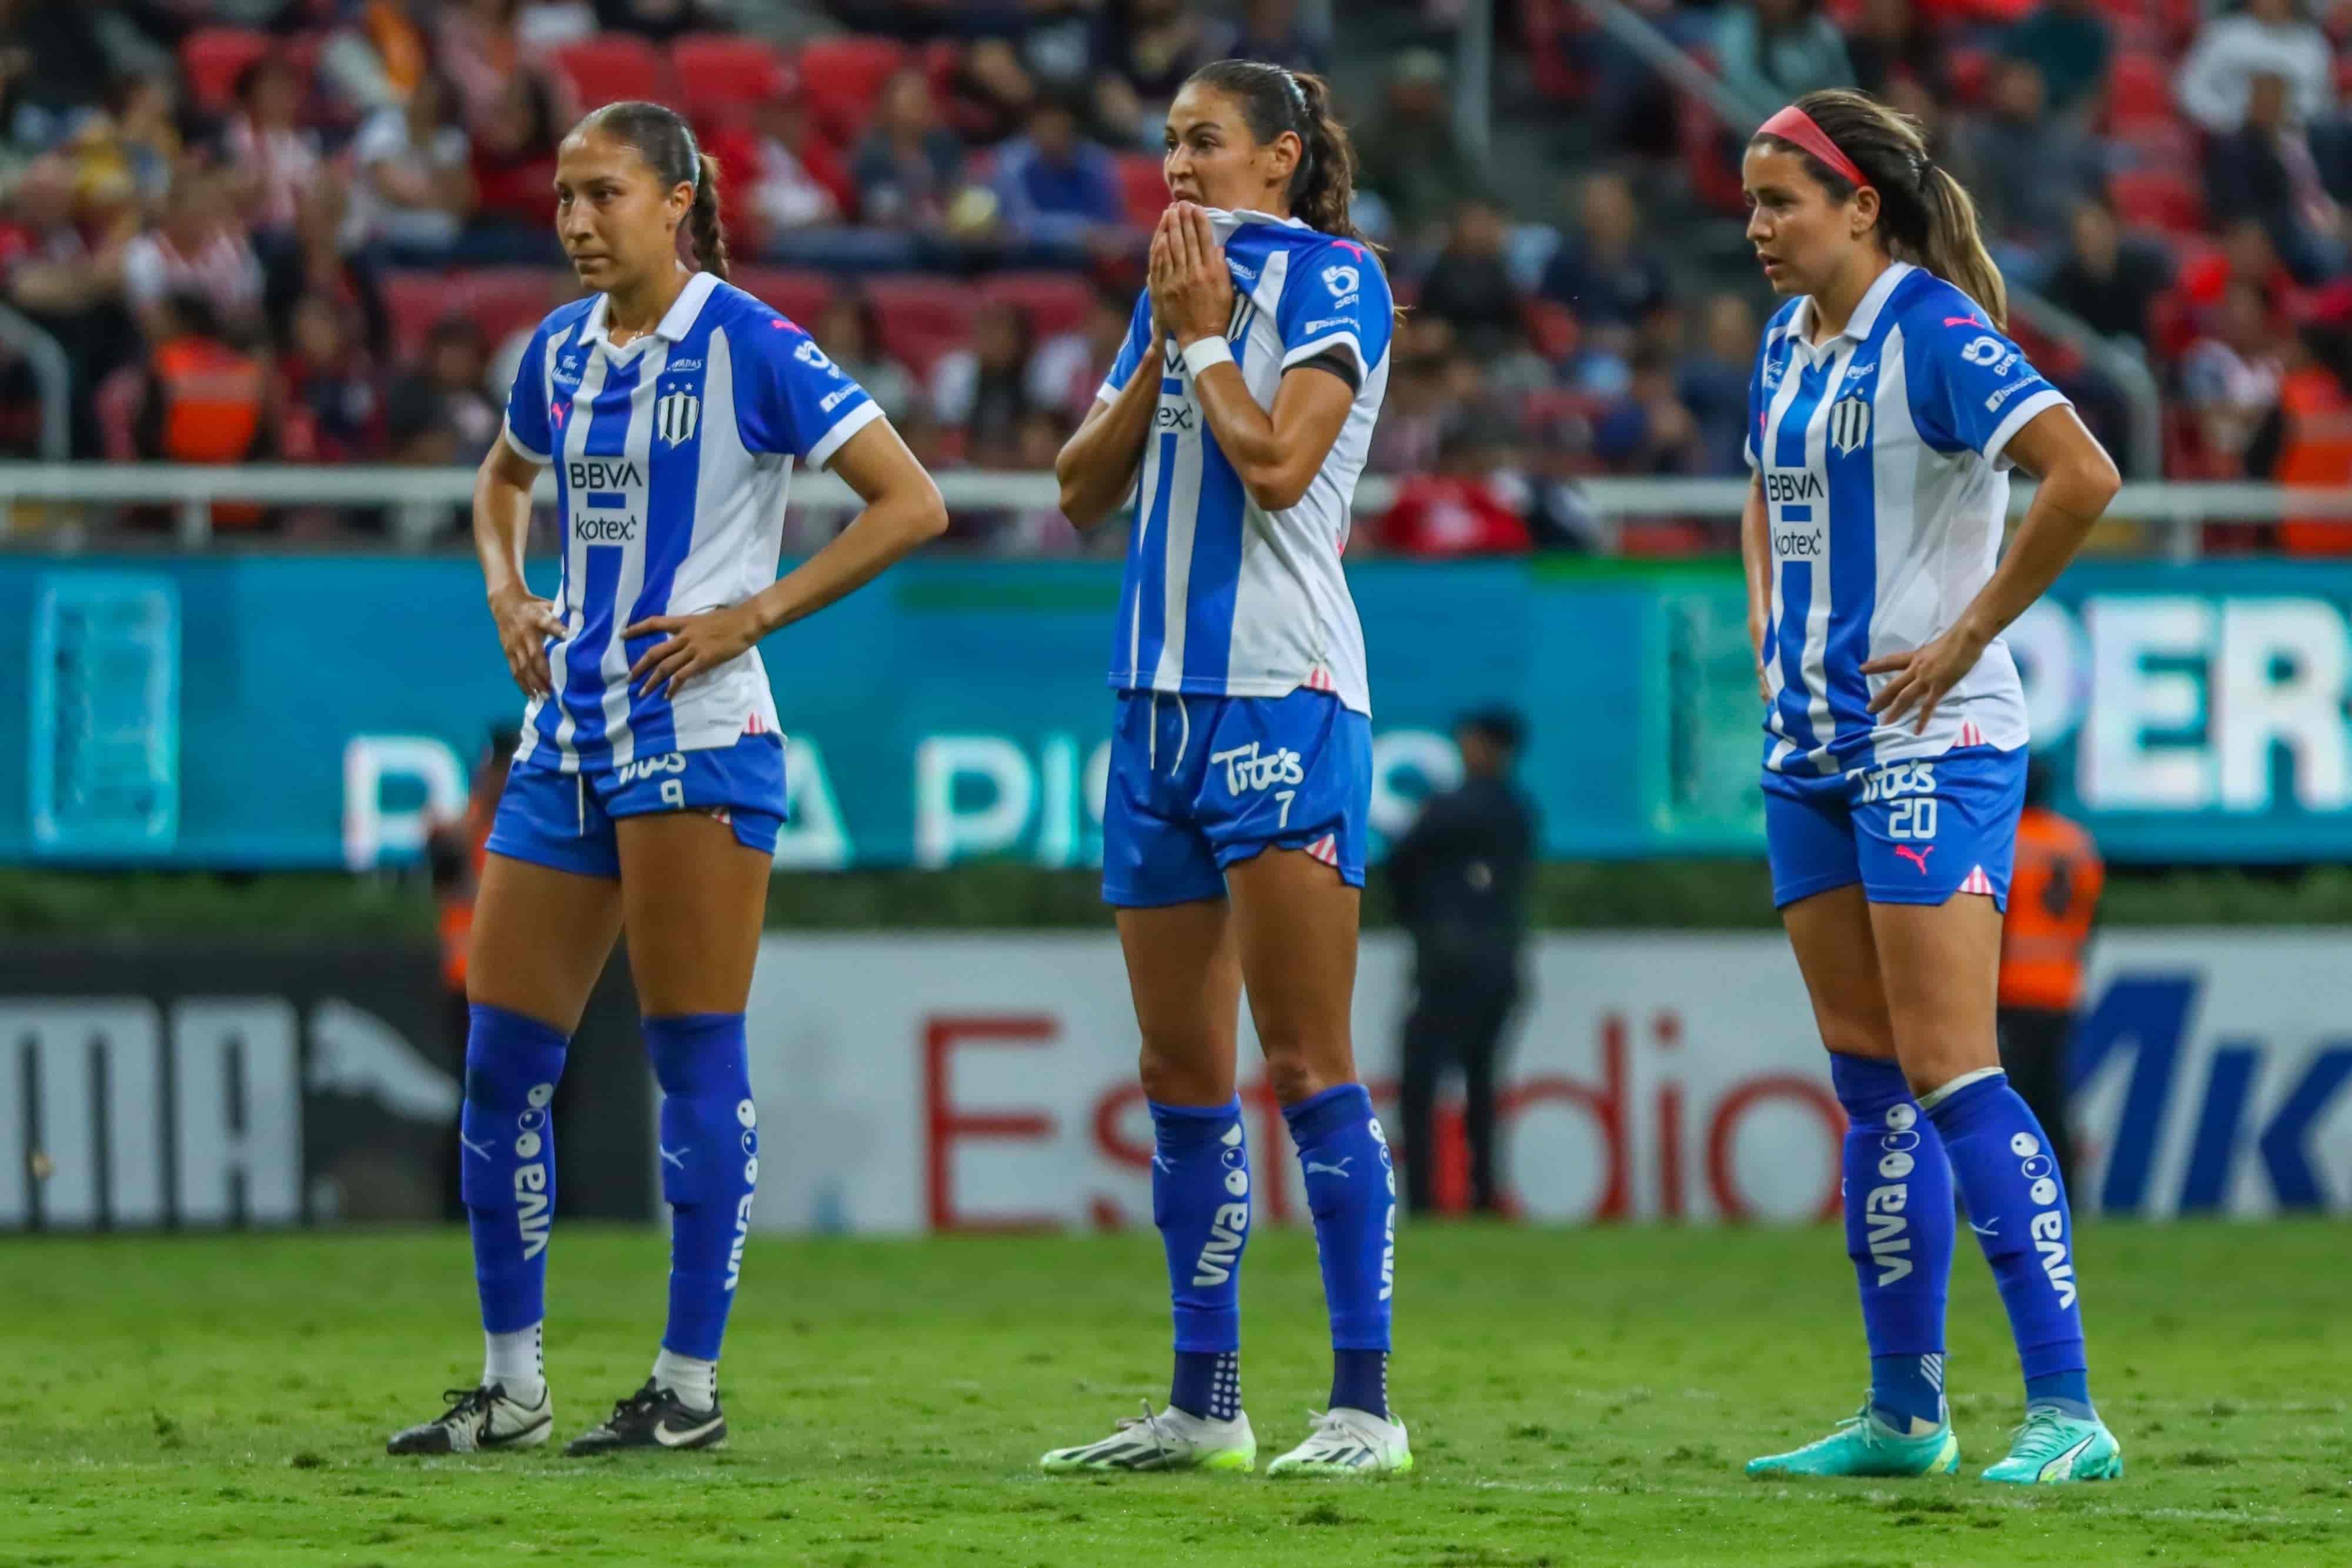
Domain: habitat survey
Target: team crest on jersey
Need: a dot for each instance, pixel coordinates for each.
(1849, 422)
(675, 416)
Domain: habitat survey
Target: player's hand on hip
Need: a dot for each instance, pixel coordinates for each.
(694, 644)
(1925, 676)
(1191, 291)
(525, 622)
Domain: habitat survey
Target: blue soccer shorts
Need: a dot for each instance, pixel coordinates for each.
(1198, 784)
(1910, 832)
(564, 821)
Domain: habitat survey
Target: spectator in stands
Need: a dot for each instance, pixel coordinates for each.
(1603, 271)
(413, 176)
(1771, 52)
(2264, 171)
(513, 163)
(1270, 32)
(377, 58)
(2068, 41)
(1144, 50)
(660, 20)
(2027, 169)
(990, 93)
(60, 59)
(909, 166)
(1405, 440)
(1054, 189)
(476, 42)
(1408, 156)
(2269, 37)
(2229, 376)
(145, 115)
(2306, 439)
(197, 249)
(1893, 41)
(334, 397)
(2109, 282)
(1468, 287)
(1650, 430)
(983, 389)
(852, 334)
(439, 413)
(794, 180)
(69, 282)
(272, 159)
(1712, 382)
(205, 398)
(1459, 509)
(1067, 368)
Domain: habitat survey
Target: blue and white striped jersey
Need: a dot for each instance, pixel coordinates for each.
(1885, 489)
(672, 456)
(1222, 598)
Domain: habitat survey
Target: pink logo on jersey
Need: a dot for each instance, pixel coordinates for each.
(1962, 321)
(1917, 857)
(556, 410)
(1351, 248)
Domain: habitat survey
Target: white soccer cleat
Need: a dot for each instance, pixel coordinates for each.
(478, 1419)
(1347, 1443)
(1169, 1440)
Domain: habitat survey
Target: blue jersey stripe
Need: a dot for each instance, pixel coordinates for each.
(672, 480)
(551, 711)
(1151, 595)
(1853, 571)
(1795, 704)
(583, 686)
(1215, 583)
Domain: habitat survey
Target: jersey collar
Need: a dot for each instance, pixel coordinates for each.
(1225, 222)
(1858, 326)
(675, 324)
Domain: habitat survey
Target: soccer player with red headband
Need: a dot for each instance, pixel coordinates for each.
(1887, 409)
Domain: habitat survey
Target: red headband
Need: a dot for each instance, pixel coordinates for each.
(1794, 125)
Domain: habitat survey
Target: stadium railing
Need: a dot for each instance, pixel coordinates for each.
(2175, 514)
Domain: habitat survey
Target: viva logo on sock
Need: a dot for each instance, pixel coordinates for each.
(532, 1211)
(2048, 1228)
(1883, 1208)
(1230, 1224)
(1388, 1237)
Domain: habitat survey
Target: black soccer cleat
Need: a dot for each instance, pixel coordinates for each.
(652, 1418)
(478, 1419)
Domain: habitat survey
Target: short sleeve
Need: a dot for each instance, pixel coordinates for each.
(1756, 406)
(1970, 387)
(527, 430)
(1336, 299)
(791, 399)
(1130, 352)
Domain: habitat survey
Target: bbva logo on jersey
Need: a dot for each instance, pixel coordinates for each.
(1849, 422)
(675, 416)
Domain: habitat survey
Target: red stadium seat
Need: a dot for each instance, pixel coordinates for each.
(800, 297)
(213, 58)
(2139, 88)
(610, 66)
(2164, 199)
(922, 318)
(722, 78)
(498, 299)
(1054, 301)
(1143, 186)
(845, 76)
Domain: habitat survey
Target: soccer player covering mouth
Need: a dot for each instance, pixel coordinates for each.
(1238, 414)
(649, 787)
(1887, 409)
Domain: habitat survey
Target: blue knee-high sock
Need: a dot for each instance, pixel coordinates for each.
(1200, 1201)
(709, 1164)
(1351, 1191)
(505, 1168)
(1899, 1231)
(2017, 1207)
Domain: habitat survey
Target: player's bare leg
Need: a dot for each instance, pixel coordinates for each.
(1184, 973)
(1296, 920)
(542, 938)
(695, 899)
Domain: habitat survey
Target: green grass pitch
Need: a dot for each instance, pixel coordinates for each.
(1575, 1398)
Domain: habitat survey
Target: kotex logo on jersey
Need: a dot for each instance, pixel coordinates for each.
(1799, 500)
(1248, 770)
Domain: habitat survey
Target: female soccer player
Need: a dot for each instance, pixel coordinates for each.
(1888, 407)
(649, 786)
(1241, 769)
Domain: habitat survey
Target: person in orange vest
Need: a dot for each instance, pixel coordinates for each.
(206, 399)
(2307, 441)
(454, 852)
(2053, 897)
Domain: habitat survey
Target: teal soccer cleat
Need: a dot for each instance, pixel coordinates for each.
(1863, 1445)
(2052, 1449)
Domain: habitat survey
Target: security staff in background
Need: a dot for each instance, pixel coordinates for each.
(2053, 897)
(1460, 878)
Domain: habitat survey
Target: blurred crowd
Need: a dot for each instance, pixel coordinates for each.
(320, 230)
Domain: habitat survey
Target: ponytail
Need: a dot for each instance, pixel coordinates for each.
(1925, 216)
(706, 229)
(1275, 101)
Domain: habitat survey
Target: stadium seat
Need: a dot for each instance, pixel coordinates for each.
(2161, 198)
(1143, 186)
(800, 296)
(2139, 88)
(843, 77)
(722, 78)
(1054, 301)
(213, 58)
(610, 66)
(922, 318)
(501, 299)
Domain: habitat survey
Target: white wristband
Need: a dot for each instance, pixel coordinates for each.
(1207, 351)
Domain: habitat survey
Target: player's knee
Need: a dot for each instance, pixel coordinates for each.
(1295, 1076)
(1928, 1065)
(1182, 1073)
(1852, 1034)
